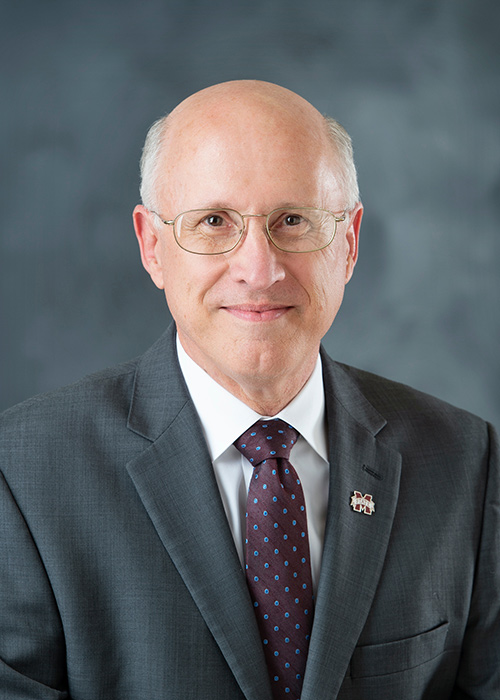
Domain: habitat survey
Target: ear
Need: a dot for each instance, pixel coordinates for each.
(148, 238)
(352, 239)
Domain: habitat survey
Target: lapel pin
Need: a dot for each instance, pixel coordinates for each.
(363, 504)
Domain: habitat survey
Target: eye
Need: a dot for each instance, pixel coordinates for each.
(289, 222)
(219, 222)
(292, 220)
(214, 220)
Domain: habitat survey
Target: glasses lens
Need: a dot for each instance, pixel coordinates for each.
(301, 230)
(208, 231)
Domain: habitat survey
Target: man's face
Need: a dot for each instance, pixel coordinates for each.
(255, 315)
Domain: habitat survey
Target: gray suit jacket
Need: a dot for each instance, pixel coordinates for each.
(119, 579)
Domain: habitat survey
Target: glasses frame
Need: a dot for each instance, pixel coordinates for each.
(172, 222)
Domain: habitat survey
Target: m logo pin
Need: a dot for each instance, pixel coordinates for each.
(363, 504)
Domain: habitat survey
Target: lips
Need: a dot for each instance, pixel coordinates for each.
(257, 312)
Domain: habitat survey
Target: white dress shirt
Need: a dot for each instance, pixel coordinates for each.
(224, 418)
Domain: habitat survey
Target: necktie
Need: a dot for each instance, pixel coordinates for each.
(278, 568)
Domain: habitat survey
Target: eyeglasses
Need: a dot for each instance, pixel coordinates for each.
(217, 231)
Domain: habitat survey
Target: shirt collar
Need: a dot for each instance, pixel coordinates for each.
(306, 412)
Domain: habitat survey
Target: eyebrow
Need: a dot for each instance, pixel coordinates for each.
(222, 205)
(215, 205)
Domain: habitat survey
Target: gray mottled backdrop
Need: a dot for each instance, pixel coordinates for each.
(417, 84)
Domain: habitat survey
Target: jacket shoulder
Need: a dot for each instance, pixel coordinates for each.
(405, 410)
(92, 393)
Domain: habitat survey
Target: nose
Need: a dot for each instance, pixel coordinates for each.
(256, 261)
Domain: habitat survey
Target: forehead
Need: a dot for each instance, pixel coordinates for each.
(247, 154)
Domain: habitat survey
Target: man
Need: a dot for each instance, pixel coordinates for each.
(127, 569)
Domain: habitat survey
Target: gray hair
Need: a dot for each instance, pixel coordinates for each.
(151, 153)
(150, 160)
(342, 143)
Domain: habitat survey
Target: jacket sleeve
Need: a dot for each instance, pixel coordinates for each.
(479, 674)
(32, 656)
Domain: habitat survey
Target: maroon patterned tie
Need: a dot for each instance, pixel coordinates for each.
(278, 568)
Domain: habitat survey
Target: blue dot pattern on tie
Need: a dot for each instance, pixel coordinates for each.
(277, 563)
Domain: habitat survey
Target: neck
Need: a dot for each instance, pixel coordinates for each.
(265, 393)
(267, 399)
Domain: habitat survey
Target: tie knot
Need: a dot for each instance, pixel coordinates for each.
(267, 438)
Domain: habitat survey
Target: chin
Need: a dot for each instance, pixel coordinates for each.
(260, 359)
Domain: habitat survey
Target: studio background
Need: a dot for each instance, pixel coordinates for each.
(416, 84)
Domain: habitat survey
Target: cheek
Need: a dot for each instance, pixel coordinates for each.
(177, 280)
(326, 291)
(325, 279)
(189, 280)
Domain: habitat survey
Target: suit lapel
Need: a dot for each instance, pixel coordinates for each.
(355, 543)
(175, 480)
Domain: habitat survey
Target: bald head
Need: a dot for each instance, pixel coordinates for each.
(250, 109)
(245, 100)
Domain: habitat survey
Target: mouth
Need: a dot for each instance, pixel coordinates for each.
(257, 312)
